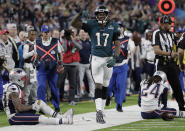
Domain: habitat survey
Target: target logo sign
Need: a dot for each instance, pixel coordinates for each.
(166, 6)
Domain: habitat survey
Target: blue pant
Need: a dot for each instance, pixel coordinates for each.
(156, 113)
(118, 83)
(182, 81)
(25, 118)
(51, 76)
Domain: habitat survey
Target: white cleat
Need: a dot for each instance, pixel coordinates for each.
(67, 118)
(181, 114)
(68, 112)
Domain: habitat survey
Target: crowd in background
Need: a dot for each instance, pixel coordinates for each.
(137, 16)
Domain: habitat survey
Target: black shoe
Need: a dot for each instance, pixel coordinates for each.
(182, 108)
(99, 117)
(119, 108)
(108, 101)
(57, 109)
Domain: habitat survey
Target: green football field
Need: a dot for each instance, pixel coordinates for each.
(178, 124)
(145, 125)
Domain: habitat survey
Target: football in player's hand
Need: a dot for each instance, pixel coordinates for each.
(167, 116)
(60, 69)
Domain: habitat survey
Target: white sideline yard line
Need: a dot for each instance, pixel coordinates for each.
(87, 121)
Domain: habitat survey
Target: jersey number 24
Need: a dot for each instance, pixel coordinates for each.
(154, 91)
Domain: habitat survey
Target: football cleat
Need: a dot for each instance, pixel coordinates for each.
(119, 108)
(67, 118)
(181, 114)
(68, 112)
(99, 117)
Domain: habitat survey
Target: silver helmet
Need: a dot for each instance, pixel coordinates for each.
(18, 76)
(162, 75)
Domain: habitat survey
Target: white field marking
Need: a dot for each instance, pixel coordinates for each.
(87, 121)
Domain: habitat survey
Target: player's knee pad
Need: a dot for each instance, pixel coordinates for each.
(104, 92)
(98, 93)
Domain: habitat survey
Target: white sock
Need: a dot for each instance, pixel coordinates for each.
(48, 120)
(98, 103)
(47, 110)
(103, 104)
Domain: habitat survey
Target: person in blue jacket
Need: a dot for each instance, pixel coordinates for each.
(49, 54)
(118, 80)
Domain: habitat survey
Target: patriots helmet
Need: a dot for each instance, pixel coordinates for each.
(102, 14)
(18, 76)
(162, 75)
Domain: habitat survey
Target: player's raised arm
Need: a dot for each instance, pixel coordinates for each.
(76, 22)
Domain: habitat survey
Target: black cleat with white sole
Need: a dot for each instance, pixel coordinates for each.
(99, 117)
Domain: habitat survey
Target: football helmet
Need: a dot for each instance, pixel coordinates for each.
(102, 19)
(162, 75)
(18, 76)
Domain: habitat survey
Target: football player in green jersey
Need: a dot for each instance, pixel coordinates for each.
(104, 34)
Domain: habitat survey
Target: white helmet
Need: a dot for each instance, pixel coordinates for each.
(18, 76)
(162, 75)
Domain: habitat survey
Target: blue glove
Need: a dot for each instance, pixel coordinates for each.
(111, 62)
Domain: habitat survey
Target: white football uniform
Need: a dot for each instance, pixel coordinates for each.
(7, 102)
(150, 95)
(100, 72)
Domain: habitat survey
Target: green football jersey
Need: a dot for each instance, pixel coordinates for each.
(101, 37)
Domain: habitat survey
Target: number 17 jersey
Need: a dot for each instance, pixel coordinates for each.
(102, 37)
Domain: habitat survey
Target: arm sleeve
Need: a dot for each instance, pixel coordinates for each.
(87, 25)
(155, 38)
(26, 53)
(77, 44)
(116, 32)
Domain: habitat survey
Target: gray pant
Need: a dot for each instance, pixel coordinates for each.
(30, 90)
(84, 69)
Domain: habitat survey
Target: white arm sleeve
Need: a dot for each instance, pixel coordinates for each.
(26, 53)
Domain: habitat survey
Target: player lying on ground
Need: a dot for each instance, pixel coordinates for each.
(20, 114)
(151, 90)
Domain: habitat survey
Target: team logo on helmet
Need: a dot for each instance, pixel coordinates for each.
(18, 76)
(104, 18)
